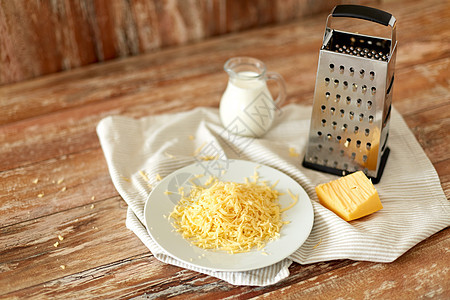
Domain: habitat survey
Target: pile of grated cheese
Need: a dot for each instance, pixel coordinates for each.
(229, 216)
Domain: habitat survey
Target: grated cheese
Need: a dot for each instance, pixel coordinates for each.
(294, 197)
(229, 216)
(144, 176)
(209, 157)
(317, 245)
(169, 155)
(293, 153)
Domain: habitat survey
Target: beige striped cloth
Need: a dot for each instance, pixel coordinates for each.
(415, 206)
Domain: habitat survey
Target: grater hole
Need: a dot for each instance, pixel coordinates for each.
(324, 122)
(358, 143)
(364, 158)
(361, 117)
(346, 166)
(358, 102)
(339, 138)
(336, 82)
(338, 98)
(323, 107)
(367, 131)
(319, 147)
(349, 100)
(355, 86)
(335, 164)
(344, 127)
(356, 129)
(368, 146)
(334, 124)
(342, 112)
(352, 71)
(327, 95)
(330, 149)
(370, 119)
(364, 88)
(351, 115)
(345, 84)
(372, 75)
(332, 110)
(374, 90)
(353, 155)
(347, 142)
(361, 73)
(341, 69)
(329, 136)
(331, 67)
(369, 104)
(327, 80)
(319, 133)
(325, 162)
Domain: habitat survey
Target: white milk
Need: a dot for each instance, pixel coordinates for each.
(247, 107)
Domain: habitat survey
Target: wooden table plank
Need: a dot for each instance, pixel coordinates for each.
(91, 238)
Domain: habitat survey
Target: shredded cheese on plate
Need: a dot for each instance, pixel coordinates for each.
(229, 216)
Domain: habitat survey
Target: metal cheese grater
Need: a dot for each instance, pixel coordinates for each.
(352, 99)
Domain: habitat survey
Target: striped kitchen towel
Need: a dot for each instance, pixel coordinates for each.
(137, 151)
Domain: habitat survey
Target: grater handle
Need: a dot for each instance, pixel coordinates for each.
(365, 13)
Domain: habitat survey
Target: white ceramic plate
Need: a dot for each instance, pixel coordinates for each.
(159, 205)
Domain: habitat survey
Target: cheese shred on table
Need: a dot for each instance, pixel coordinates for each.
(229, 216)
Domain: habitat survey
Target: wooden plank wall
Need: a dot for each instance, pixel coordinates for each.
(45, 36)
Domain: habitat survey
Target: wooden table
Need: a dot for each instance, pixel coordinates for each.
(62, 222)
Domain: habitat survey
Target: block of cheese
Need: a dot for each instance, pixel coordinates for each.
(350, 197)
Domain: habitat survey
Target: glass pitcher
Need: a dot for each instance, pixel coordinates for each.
(247, 107)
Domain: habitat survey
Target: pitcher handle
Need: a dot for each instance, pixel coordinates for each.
(281, 87)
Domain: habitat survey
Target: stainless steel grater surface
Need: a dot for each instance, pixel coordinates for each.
(352, 99)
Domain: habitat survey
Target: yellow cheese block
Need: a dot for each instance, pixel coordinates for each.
(350, 197)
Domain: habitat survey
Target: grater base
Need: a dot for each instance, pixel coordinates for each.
(340, 172)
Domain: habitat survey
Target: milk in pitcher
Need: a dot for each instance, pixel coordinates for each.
(247, 107)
